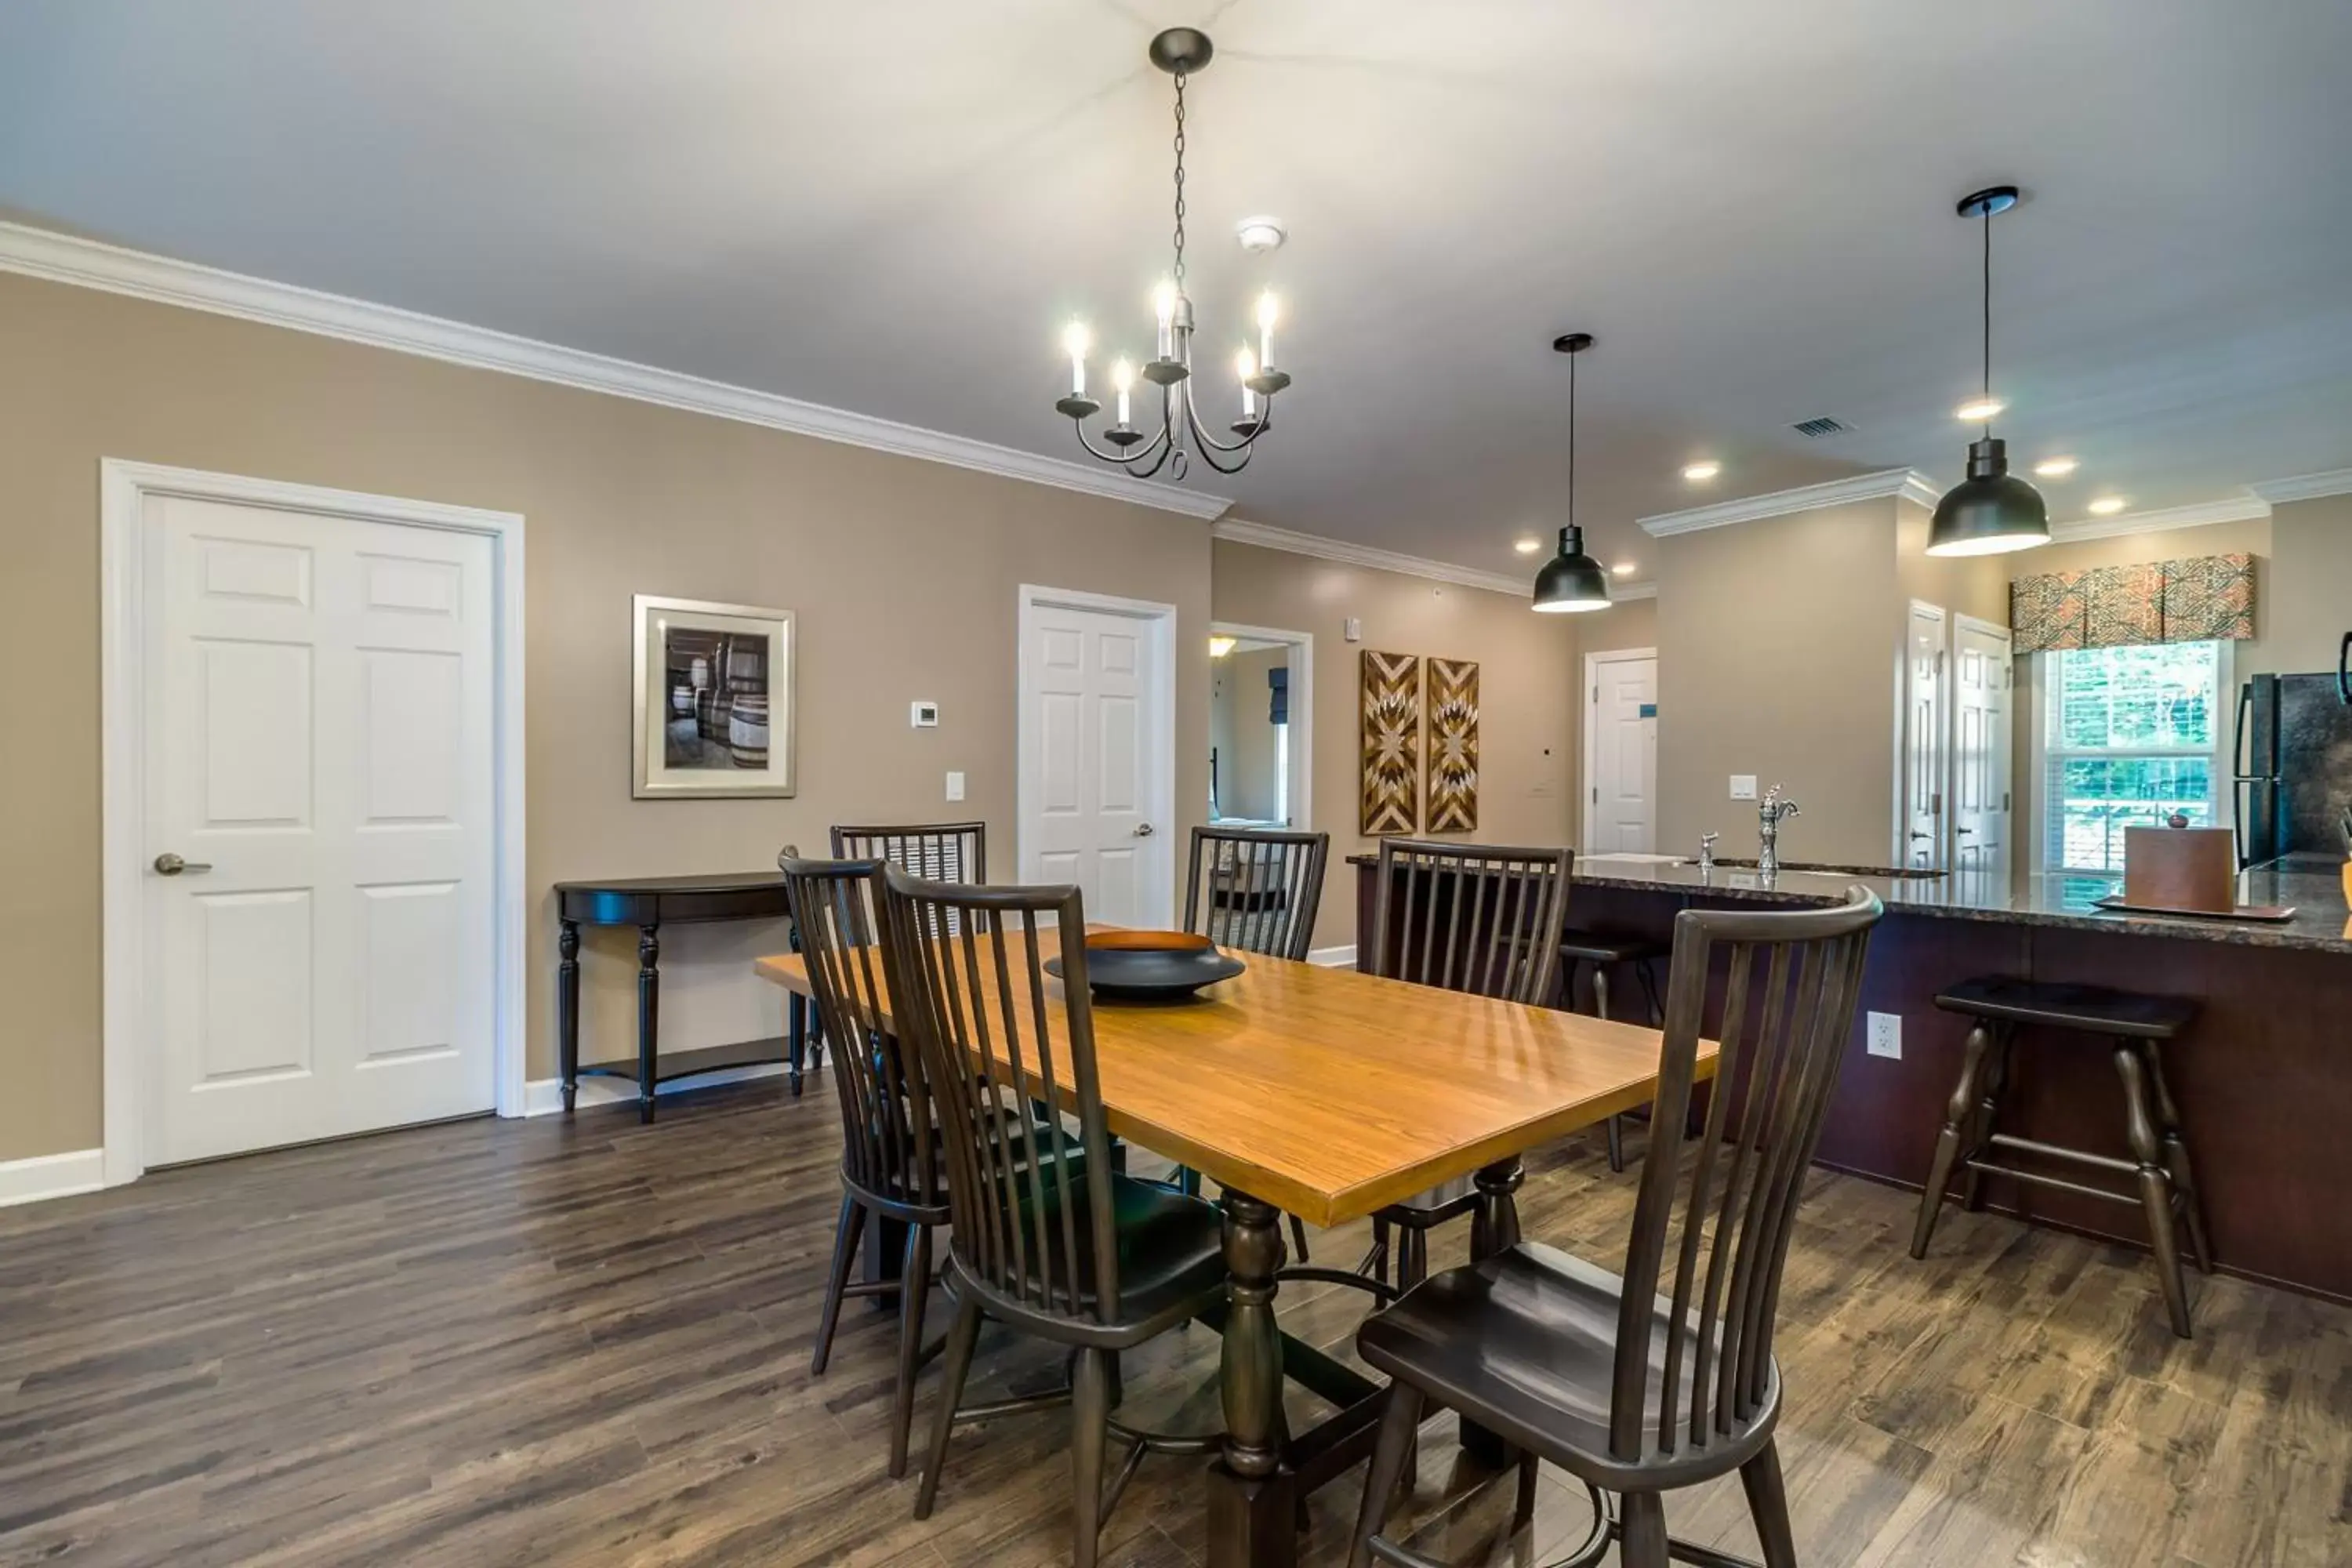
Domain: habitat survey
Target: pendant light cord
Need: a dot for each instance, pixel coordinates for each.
(1987, 432)
(1571, 440)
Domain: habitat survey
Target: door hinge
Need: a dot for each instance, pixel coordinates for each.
(1596, 794)
(1936, 804)
(1939, 661)
(2004, 800)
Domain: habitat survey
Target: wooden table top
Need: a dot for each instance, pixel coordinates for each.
(1330, 1093)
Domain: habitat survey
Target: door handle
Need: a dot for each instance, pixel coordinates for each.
(1964, 830)
(170, 864)
(1917, 835)
(1144, 830)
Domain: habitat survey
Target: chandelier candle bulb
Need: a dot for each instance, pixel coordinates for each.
(1164, 302)
(1122, 376)
(1245, 367)
(1268, 309)
(1075, 341)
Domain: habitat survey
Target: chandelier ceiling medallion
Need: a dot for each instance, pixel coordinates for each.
(1181, 51)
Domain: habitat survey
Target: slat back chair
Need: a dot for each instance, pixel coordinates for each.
(1041, 1221)
(1471, 917)
(942, 851)
(990, 1048)
(1685, 1389)
(890, 1165)
(1713, 1239)
(1256, 889)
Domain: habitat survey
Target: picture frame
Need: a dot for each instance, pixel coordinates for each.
(714, 709)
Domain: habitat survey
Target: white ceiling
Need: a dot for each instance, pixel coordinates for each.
(893, 209)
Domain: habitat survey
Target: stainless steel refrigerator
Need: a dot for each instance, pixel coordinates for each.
(2292, 767)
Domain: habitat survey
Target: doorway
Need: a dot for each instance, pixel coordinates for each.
(1927, 759)
(1096, 784)
(1981, 737)
(1261, 726)
(1620, 750)
(313, 814)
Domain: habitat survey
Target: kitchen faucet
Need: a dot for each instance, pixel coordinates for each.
(1768, 815)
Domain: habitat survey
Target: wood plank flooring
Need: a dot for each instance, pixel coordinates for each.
(587, 1342)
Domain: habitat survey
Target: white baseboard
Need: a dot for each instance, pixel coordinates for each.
(544, 1095)
(1333, 957)
(51, 1176)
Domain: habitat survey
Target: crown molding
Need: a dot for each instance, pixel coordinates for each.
(2230, 509)
(91, 264)
(2305, 486)
(1264, 534)
(1908, 484)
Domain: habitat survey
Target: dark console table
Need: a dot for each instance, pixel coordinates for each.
(649, 903)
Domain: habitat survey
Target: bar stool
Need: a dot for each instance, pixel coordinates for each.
(2136, 1026)
(1581, 950)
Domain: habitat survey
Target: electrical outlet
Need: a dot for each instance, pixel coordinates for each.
(1887, 1036)
(1743, 786)
(955, 786)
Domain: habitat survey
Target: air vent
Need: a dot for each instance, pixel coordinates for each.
(1825, 425)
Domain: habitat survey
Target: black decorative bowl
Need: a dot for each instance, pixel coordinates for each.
(1150, 966)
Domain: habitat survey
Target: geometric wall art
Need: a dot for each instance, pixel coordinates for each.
(1389, 728)
(1452, 743)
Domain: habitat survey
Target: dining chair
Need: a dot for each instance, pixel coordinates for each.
(891, 1164)
(943, 851)
(1663, 1377)
(1256, 891)
(1046, 1237)
(1465, 917)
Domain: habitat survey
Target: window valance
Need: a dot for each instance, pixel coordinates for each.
(2197, 599)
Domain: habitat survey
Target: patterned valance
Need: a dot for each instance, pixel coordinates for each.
(2194, 600)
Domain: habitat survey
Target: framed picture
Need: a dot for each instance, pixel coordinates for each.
(714, 691)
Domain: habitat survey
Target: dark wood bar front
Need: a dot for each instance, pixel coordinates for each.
(2263, 1074)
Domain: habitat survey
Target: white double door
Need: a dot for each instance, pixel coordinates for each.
(1095, 722)
(319, 826)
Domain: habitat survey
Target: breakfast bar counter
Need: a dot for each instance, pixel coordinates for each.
(2263, 1074)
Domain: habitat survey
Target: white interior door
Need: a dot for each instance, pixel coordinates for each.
(319, 730)
(1981, 749)
(1097, 727)
(1925, 768)
(1623, 765)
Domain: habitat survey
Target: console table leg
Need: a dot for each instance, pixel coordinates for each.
(567, 1009)
(648, 1014)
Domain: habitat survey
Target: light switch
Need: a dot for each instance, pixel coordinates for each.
(955, 786)
(1743, 786)
(1352, 630)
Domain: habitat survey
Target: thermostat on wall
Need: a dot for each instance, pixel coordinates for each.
(924, 715)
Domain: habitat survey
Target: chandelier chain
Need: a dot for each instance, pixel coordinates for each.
(1180, 183)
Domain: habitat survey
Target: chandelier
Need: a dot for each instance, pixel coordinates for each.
(1180, 51)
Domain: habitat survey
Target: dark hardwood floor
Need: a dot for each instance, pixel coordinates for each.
(494, 1342)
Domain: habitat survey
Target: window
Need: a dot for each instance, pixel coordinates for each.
(2130, 736)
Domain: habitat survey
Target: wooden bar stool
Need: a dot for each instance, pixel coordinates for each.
(1581, 950)
(2136, 1026)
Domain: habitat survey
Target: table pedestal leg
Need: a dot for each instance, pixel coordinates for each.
(648, 1014)
(1253, 1508)
(1494, 1228)
(567, 1009)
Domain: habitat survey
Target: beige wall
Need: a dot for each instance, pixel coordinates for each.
(1526, 678)
(1775, 659)
(1244, 731)
(1632, 623)
(2310, 594)
(903, 573)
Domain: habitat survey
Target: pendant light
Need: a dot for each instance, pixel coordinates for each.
(1991, 511)
(1571, 580)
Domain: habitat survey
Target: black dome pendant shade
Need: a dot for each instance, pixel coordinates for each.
(1571, 580)
(1991, 511)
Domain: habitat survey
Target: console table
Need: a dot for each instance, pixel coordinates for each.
(649, 903)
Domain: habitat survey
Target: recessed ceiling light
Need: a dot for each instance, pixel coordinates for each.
(1222, 645)
(1624, 568)
(2055, 467)
(1260, 233)
(2107, 506)
(1695, 472)
(1528, 545)
(1977, 410)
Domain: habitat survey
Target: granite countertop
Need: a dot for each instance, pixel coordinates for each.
(2322, 921)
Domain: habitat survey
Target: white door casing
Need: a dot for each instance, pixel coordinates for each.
(1981, 740)
(1921, 824)
(1097, 785)
(1301, 664)
(313, 698)
(1620, 750)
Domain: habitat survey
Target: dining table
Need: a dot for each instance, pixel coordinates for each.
(1329, 1094)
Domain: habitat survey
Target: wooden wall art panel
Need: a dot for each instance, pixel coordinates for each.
(1390, 731)
(1452, 743)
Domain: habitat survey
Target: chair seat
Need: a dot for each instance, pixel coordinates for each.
(1435, 1205)
(1599, 947)
(1524, 1343)
(1170, 1250)
(2092, 1009)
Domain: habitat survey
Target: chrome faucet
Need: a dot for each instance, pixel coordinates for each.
(1707, 851)
(1768, 816)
